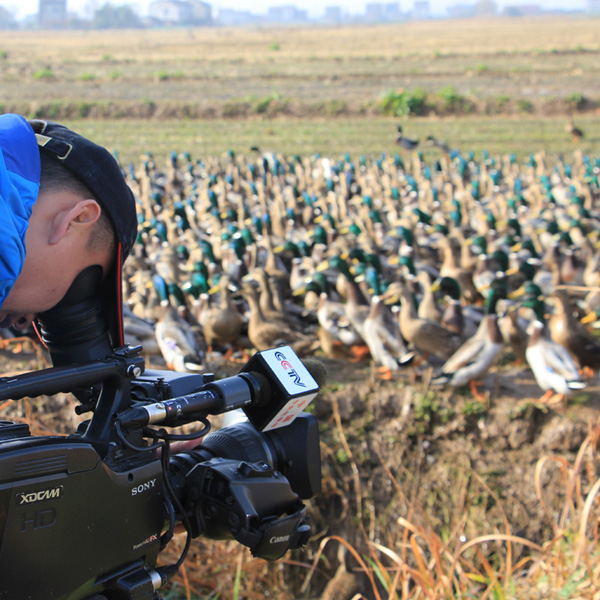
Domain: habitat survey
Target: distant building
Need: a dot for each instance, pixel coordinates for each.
(421, 10)
(201, 12)
(382, 12)
(391, 11)
(181, 12)
(523, 10)
(593, 7)
(7, 20)
(286, 14)
(485, 8)
(170, 12)
(374, 12)
(53, 14)
(461, 11)
(333, 14)
(228, 17)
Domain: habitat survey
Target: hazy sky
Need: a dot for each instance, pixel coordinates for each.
(314, 7)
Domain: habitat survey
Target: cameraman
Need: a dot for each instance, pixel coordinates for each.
(64, 206)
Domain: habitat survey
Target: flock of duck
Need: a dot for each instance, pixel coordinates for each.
(434, 268)
(444, 264)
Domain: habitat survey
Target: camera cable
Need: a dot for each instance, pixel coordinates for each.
(162, 440)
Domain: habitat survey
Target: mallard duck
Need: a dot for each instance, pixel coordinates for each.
(428, 338)
(479, 353)
(332, 318)
(566, 330)
(224, 323)
(462, 319)
(450, 267)
(487, 268)
(176, 339)
(139, 331)
(264, 334)
(428, 307)
(552, 366)
(382, 335)
(440, 144)
(403, 141)
(273, 303)
(575, 132)
(515, 337)
(267, 305)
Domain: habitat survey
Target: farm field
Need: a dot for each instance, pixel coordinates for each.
(333, 137)
(306, 90)
(435, 495)
(539, 59)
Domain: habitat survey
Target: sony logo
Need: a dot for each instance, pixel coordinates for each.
(279, 539)
(143, 487)
(30, 497)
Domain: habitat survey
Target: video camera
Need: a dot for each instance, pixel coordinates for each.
(86, 516)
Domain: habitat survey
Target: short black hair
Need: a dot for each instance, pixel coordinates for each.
(55, 177)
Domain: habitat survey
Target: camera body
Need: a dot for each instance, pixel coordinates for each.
(87, 515)
(73, 519)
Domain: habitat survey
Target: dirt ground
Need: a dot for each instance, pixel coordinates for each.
(396, 448)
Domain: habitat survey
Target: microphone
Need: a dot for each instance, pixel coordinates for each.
(272, 388)
(293, 385)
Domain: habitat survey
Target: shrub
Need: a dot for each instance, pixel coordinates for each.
(3, 54)
(452, 100)
(576, 101)
(45, 73)
(524, 106)
(166, 76)
(83, 109)
(87, 76)
(399, 103)
(54, 109)
(274, 46)
(271, 103)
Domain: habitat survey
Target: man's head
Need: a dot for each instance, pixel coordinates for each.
(84, 215)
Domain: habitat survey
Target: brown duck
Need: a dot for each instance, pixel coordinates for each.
(566, 330)
(264, 334)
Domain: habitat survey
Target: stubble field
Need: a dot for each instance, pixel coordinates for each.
(302, 90)
(499, 501)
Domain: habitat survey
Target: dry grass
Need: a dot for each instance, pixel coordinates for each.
(415, 558)
(424, 563)
(475, 37)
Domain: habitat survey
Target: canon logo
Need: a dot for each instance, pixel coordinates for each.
(143, 487)
(31, 497)
(279, 539)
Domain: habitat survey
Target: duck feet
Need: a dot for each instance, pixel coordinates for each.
(552, 399)
(483, 398)
(384, 373)
(359, 353)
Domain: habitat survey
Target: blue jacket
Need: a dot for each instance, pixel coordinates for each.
(19, 186)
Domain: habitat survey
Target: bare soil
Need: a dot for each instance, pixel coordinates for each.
(394, 449)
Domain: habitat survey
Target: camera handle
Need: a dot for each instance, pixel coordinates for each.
(115, 372)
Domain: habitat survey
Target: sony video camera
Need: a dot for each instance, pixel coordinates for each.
(86, 515)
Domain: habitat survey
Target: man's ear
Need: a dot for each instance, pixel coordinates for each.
(80, 216)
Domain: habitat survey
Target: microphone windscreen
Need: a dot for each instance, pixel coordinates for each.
(317, 369)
